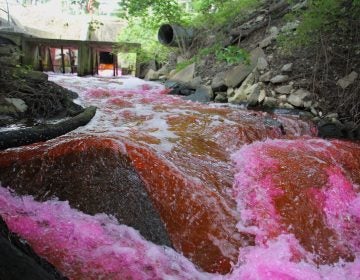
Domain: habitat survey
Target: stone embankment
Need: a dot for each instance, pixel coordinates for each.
(268, 81)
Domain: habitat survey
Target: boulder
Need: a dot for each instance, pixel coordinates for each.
(218, 82)
(270, 102)
(144, 68)
(290, 26)
(172, 73)
(195, 83)
(287, 67)
(332, 116)
(283, 98)
(298, 97)
(313, 111)
(266, 77)
(274, 31)
(151, 75)
(307, 104)
(202, 94)
(262, 96)
(284, 89)
(253, 94)
(266, 42)
(236, 75)
(278, 79)
(286, 105)
(230, 92)
(185, 75)
(262, 64)
(347, 80)
(241, 92)
(221, 97)
(18, 103)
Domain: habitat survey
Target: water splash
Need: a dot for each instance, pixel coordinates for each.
(188, 146)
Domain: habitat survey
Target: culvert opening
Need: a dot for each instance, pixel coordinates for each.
(166, 34)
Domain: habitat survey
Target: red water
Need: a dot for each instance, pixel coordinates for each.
(182, 151)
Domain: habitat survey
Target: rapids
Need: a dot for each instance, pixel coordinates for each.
(210, 181)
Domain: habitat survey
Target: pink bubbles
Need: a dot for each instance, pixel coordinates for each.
(90, 247)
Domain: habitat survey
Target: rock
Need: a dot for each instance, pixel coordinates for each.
(266, 42)
(284, 89)
(265, 77)
(262, 64)
(307, 104)
(259, 18)
(313, 111)
(274, 31)
(218, 82)
(165, 70)
(236, 75)
(290, 26)
(300, 6)
(145, 67)
(195, 83)
(298, 97)
(230, 92)
(241, 93)
(332, 116)
(253, 94)
(185, 75)
(202, 94)
(287, 106)
(283, 98)
(270, 102)
(329, 130)
(287, 67)
(151, 75)
(18, 103)
(172, 73)
(347, 80)
(221, 97)
(279, 79)
(178, 88)
(262, 96)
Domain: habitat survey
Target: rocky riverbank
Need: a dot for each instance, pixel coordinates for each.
(32, 108)
(319, 84)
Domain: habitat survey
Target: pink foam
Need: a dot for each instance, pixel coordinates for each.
(90, 247)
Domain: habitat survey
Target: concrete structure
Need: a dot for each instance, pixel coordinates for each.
(40, 53)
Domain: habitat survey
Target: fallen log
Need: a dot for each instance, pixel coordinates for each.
(20, 137)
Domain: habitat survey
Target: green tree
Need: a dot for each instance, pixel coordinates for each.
(151, 12)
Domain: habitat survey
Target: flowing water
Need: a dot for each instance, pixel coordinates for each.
(238, 194)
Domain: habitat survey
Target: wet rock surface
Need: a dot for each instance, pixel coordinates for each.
(90, 174)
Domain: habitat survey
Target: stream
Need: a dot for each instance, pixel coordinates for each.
(156, 187)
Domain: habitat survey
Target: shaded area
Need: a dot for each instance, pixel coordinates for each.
(17, 259)
(91, 174)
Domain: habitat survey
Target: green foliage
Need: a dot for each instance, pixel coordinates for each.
(322, 16)
(151, 12)
(219, 12)
(184, 64)
(151, 49)
(233, 55)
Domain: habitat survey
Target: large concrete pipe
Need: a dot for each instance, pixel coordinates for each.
(173, 35)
